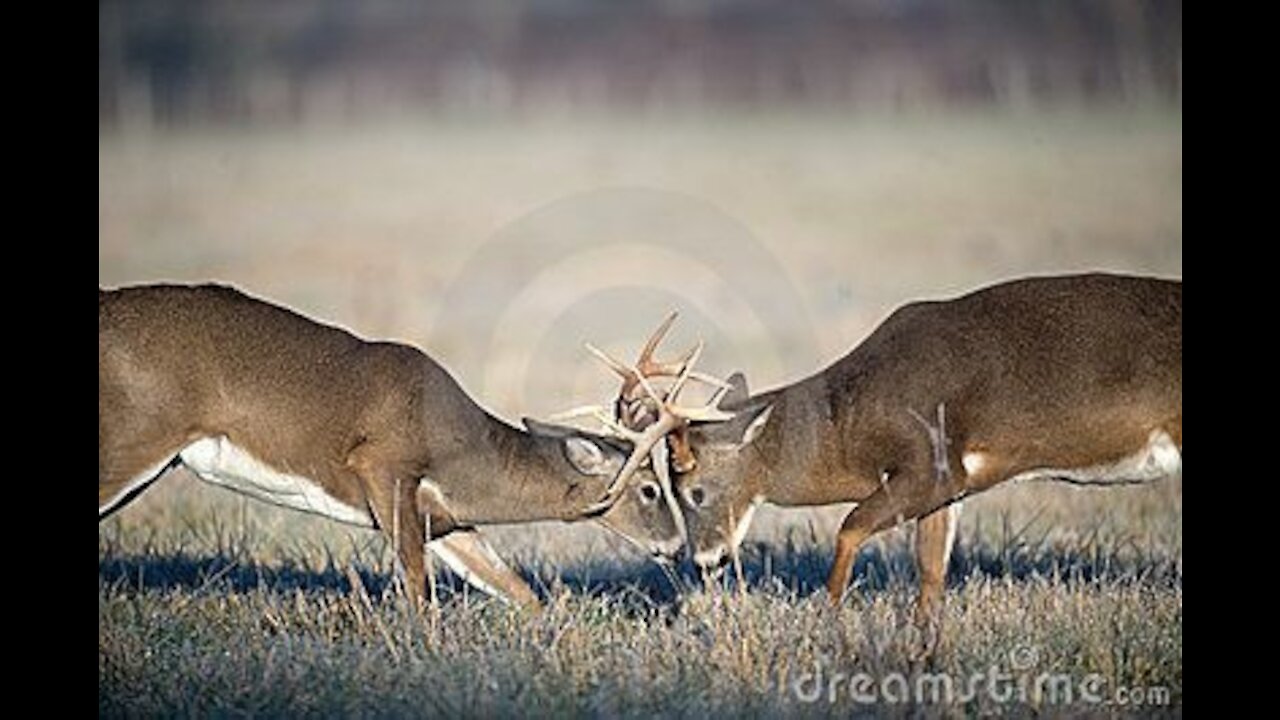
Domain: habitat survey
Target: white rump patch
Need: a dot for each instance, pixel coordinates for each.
(145, 477)
(218, 461)
(1159, 458)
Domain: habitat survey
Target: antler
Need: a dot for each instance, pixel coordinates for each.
(644, 416)
(607, 422)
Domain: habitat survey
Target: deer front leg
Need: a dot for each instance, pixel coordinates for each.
(908, 497)
(468, 554)
(393, 502)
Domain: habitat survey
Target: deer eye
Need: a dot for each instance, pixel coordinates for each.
(649, 492)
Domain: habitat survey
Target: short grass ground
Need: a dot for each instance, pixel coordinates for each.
(210, 604)
(217, 605)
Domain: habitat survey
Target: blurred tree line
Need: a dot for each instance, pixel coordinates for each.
(214, 61)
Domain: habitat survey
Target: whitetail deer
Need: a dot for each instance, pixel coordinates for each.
(256, 398)
(1076, 378)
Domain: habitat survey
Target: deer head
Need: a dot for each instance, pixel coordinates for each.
(647, 411)
(712, 495)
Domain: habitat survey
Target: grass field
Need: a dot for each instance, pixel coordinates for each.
(498, 248)
(220, 606)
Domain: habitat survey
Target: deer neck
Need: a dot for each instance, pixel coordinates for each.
(803, 455)
(506, 475)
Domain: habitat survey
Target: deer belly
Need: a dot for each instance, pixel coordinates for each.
(1159, 458)
(218, 461)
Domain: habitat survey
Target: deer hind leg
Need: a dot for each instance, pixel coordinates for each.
(469, 555)
(130, 460)
(935, 537)
(118, 486)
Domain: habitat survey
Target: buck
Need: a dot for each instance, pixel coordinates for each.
(1075, 378)
(253, 397)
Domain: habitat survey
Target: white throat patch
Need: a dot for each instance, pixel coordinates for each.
(744, 522)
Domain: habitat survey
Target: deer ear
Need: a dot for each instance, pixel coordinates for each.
(537, 427)
(742, 430)
(588, 457)
(755, 425)
(738, 392)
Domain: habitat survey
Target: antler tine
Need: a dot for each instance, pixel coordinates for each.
(671, 418)
(646, 354)
(648, 389)
(655, 368)
(666, 404)
(601, 415)
(576, 412)
(718, 395)
(709, 379)
(619, 367)
(666, 421)
(618, 429)
(645, 365)
(673, 369)
(702, 414)
(690, 356)
(710, 412)
(687, 364)
(644, 443)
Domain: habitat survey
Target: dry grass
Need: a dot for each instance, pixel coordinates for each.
(211, 604)
(209, 618)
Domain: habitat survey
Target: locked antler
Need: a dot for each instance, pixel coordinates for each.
(644, 416)
(632, 402)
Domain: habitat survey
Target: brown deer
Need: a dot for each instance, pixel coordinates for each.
(1077, 378)
(256, 398)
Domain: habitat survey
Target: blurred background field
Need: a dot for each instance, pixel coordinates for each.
(497, 183)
